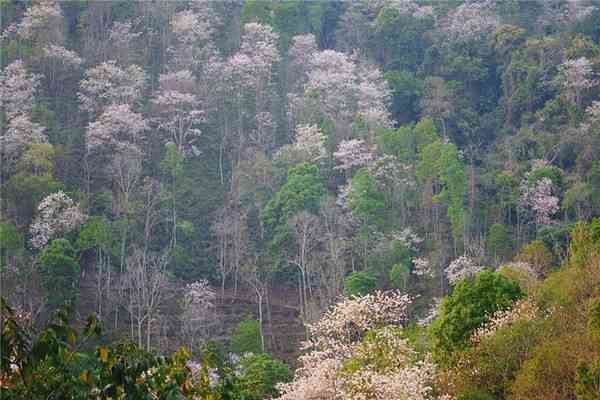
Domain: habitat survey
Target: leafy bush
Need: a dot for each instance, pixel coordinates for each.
(470, 305)
(246, 337)
(359, 283)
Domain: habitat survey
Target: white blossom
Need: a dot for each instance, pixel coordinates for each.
(56, 215)
(422, 267)
(179, 109)
(108, 84)
(17, 89)
(461, 268)
(575, 77)
(521, 310)
(351, 154)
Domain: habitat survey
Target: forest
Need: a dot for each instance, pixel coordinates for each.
(300, 199)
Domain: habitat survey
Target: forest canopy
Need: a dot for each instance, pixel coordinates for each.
(369, 199)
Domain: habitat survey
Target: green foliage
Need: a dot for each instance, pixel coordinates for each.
(594, 315)
(25, 192)
(468, 307)
(406, 89)
(11, 240)
(122, 372)
(399, 276)
(494, 363)
(454, 178)
(537, 255)
(359, 283)
(246, 337)
(96, 233)
(59, 269)
(587, 386)
(498, 242)
(365, 200)
(475, 394)
(398, 142)
(302, 192)
(585, 242)
(259, 373)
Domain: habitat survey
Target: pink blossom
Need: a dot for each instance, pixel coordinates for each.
(43, 22)
(108, 83)
(540, 199)
(17, 89)
(118, 128)
(351, 154)
(66, 57)
(471, 20)
(178, 109)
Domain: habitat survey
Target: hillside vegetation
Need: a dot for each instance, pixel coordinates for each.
(372, 199)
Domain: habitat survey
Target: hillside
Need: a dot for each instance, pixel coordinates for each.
(239, 178)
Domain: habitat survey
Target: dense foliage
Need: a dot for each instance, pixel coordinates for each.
(238, 173)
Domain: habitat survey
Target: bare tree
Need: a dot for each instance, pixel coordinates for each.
(144, 286)
(307, 233)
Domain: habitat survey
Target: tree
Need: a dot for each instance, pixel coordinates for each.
(399, 276)
(60, 273)
(246, 337)
(351, 154)
(537, 255)
(17, 90)
(461, 268)
(498, 242)
(359, 284)
(144, 285)
(305, 229)
(198, 312)
(357, 350)
(470, 305)
(109, 84)
(57, 215)
(575, 77)
(436, 102)
(453, 193)
(302, 191)
(179, 110)
(259, 376)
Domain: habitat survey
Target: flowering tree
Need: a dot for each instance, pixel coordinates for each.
(108, 83)
(373, 98)
(42, 23)
(308, 146)
(540, 199)
(408, 238)
(575, 77)
(471, 20)
(57, 214)
(362, 332)
(332, 82)
(124, 43)
(522, 310)
(351, 154)
(118, 129)
(17, 89)
(461, 268)
(198, 312)
(192, 30)
(178, 109)
(422, 267)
